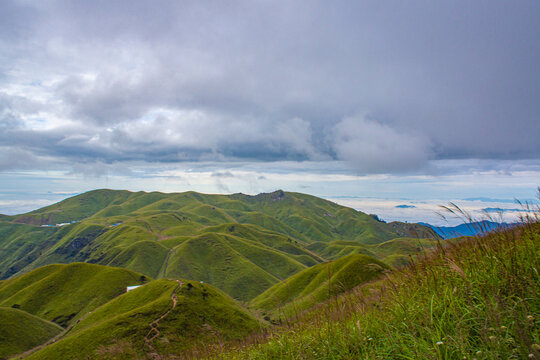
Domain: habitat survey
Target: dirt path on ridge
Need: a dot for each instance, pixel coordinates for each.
(166, 262)
(154, 332)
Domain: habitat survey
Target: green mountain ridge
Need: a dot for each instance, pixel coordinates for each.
(93, 305)
(471, 298)
(256, 240)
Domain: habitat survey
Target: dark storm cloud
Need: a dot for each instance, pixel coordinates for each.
(386, 86)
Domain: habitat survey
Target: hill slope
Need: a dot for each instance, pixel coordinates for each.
(475, 299)
(63, 293)
(161, 317)
(20, 331)
(319, 283)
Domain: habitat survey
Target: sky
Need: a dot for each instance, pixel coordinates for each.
(372, 104)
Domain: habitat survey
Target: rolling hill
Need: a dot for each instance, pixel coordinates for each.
(63, 293)
(291, 257)
(160, 317)
(21, 331)
(230, 241)
(473, 298)
(318, 283)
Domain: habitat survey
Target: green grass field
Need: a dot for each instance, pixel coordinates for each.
(317, 281)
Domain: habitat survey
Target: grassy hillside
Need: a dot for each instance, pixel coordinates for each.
(478, 298)
(230, 241)
(75, 208)
(319, 283)
(183, 314)
(64, 293)
(20, 331)
(21, 245)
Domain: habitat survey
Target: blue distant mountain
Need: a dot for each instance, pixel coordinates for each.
(469, 229)
(496, 210)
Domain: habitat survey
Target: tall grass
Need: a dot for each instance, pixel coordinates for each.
(475, 298)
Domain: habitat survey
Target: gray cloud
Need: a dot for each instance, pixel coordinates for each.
(377, 148)
(164, 81)
(223, 174)
(18, 159)
(99, 169)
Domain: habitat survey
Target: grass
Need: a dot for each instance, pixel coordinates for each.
(143, 256)
(20, 331)
(119, 328)
(211, 258)
(64, 293)
(478, 298)
(317, 284)
(470, 298)
(21, 245)
(241, 244)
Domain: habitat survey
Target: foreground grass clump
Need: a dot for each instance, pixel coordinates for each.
(477, 298)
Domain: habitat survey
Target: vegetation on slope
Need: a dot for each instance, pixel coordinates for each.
(182, 314)
(20, 245)
(74, 208)
(20, 331)
(240, 267)
(319, 283)
(230, 241)
(478, 298)
(63, 293)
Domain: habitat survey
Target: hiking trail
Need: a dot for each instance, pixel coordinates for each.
(154, 332)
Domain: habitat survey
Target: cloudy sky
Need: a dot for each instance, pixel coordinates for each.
(367, 103)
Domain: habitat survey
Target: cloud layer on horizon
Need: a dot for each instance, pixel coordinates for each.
(384, 86)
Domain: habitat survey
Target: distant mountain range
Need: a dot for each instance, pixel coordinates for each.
(468, 229)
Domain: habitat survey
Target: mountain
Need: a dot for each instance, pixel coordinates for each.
(325, 291)
(468, 229)
(242, 244)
